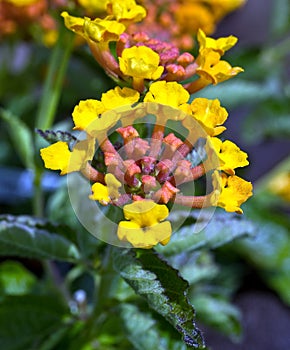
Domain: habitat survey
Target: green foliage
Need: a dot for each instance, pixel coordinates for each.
(219, 230)
(163, 288)
(21, 137)
(19, 237)
(25, 321)
(15, 279)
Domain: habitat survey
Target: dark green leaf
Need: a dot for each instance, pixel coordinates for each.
(22, 239)
(163, 288)
(25, 321)
(15, 279)
(21, 137)
(221, 229)
(144, 332)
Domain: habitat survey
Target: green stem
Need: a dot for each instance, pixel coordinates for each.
(54, 81)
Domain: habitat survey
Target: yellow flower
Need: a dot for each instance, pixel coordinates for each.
(21, 2)
(93, 6)
(58, 156)
(191, 17)
(96, 116)
(168, 93)
(97, 30)
(209, 114)
(104, 194)
(212, 69)
(144, 230)
(141, 63)
(118, 97)
(280, 185)
(126, 11)
(220, 45)
(234, 191)
(229, 154)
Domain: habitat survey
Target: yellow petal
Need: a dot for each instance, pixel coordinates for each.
(113, 186)
(126, 11)
(230, 155)
(140, 62)
(171, 94)
(91, 116)
(209, 114)
(56, 156)
(118, 97)
(144, 238)
(100, 193)
(235, 191)
(220, 45)
(145, 213)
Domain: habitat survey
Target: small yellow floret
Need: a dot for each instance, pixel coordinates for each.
(168, 93)
(221, 45)
(97, 30)
(140, 62)
(212, 69)
(58, 156)
(230, 155)
(144, 230)
(234, 191)
(209, 114)
(126, 11)
(104, 194)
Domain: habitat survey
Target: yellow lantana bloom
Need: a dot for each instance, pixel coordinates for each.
(144, 230)
(220, 45)
(126, 11)
(58, 156)
(118, 97)
(98, 30)
(234, 192)
(168, 93)
(209, 114)
(104, 194)
(212, 69)
(141, 63)
(96, 117)
(229, 155)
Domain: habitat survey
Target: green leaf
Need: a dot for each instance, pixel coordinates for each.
(234, 93)
(269, 254)
(219, 314)
(271, 119)
(15, 279)
(23, 239)
(25, 321)
(144, 332)
(280, 22)
(221, 229)
(21, 137)
(163, 288)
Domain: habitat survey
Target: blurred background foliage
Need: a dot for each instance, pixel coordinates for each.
(232, 255)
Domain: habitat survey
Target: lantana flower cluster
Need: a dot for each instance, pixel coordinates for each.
(141, 169)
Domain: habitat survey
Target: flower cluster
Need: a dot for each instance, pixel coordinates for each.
(142, 59)
(147, 167)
